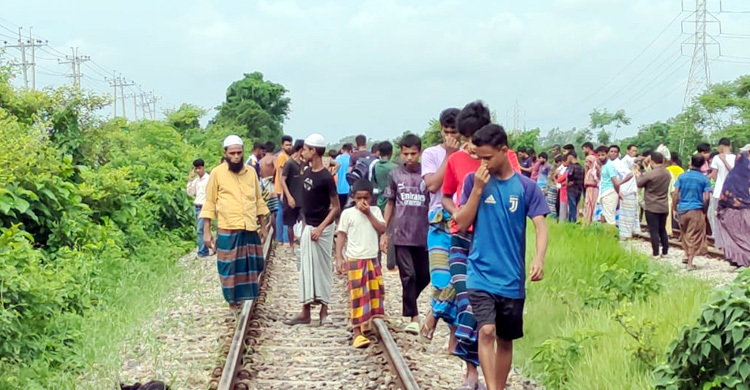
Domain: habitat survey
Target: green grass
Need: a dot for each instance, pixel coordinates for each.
(149, 277)
(556, 308)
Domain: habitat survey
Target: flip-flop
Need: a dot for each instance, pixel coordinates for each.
(296, 321)
(467, 386)
(325, 321)
(412, 328)
(361, 342)
(426, 332)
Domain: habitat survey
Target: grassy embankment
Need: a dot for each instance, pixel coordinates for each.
(562, 306)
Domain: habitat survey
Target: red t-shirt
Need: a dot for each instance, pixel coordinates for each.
(513, 159)
(458, 166)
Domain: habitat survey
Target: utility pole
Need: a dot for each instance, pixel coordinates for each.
(124, 84)
(152, 100)
(699, 78)
(143, 106)
(75, 62)
(23, 45)
(135, 106)
(119, 82)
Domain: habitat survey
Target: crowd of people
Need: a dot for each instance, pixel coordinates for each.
(452, 216)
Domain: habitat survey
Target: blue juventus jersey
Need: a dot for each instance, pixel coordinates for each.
(496, 261)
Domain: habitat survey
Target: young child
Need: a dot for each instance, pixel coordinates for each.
(498, 201)
(358, 231)
(406, 214)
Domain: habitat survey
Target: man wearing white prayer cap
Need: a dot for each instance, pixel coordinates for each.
(241, 223)
(320, 207)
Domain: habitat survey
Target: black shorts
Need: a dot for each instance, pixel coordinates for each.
(289, 215)
(505, 313)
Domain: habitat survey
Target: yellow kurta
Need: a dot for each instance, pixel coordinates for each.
(235, 197)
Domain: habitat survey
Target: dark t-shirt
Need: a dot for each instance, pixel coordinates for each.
(292, 171)
(575, 175)
(357, 155)
(526, 163)
(409, 222)
(317, 190)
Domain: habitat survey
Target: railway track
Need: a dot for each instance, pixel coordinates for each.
(674, 241)
(266, 354)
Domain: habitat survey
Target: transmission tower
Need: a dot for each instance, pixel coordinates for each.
(519, 115)
(23, 45)
(699, 78)
(75, 62)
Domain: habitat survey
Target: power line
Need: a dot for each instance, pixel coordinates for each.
(629, 64)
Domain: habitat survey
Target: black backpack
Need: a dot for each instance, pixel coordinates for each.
(363, 169)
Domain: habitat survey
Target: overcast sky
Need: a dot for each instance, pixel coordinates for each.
(382, 67)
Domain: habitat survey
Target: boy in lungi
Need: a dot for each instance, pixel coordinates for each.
(358, 231)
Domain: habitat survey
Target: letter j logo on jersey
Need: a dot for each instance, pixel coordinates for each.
(513, 203)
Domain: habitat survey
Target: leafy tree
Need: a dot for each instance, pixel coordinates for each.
(259, 106)
(603, 137)
(561, 137)
(602, 119)
(186, 118)
(728, 105)
(526, 139)
(432, 135)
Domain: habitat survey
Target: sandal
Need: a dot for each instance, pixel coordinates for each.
(426, 332)
(412, 328)
(325, 321)
(361, 342)
(296, 321)
(468, 386)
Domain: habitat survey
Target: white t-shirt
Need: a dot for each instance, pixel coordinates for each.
(361, 237)
(716, 163)
(625, 167)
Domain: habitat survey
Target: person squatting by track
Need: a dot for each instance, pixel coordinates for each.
(320, 207)
(358, 231)
(241, 223)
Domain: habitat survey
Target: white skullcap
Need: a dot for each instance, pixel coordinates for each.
(232, 140)
(315, 141)
(664, 151)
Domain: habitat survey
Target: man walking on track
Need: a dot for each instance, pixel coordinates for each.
(406, 214)
(655, 184)
(239, 248)
(196, 187)
(279, 162)
(497, 201)
(434, 161)
(291, 184)
(461, 163)
(692, 191)
(320, 207)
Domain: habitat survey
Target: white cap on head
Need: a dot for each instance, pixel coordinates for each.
(232, 140)
(745, 148)
(315, 141)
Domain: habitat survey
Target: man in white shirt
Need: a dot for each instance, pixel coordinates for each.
(721, 164)
(626, 186)
(196, 187)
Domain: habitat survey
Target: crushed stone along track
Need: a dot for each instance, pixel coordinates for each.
(278, 356)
